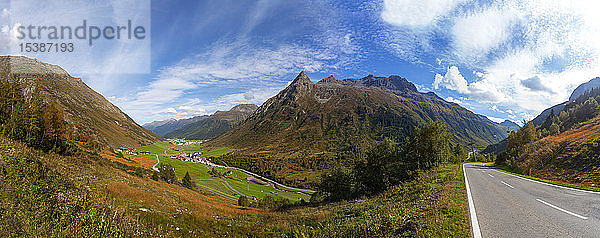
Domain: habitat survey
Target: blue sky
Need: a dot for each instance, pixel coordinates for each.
(502, 59)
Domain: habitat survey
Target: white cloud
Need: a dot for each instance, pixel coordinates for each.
(495, 119)
(476, 34)
(495, 108)
(454, 100)
(482, 90)
(524, 54)
(416, 13)
(4, 12)
(452, 80)
(170, 110)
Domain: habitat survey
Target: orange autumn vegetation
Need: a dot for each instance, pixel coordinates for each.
(570, 157)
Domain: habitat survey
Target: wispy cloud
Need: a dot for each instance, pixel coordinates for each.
(246, 67)
(250, 74)
(416, 14)
(105, 56)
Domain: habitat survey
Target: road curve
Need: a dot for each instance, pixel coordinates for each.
(157, 162)
(506, 205)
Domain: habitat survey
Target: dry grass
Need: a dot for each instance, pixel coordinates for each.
(568, 157)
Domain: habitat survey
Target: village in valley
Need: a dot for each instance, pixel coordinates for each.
(194, 157)
(189, 156)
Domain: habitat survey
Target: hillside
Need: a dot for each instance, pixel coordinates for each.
(91, 119)
(571, 157)
(568, 146)
(579, 91)
(51, 195)
(542, 117)
(308, 126)
(214, 125)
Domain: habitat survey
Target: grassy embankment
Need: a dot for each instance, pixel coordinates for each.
(433, 205)
(201, 176)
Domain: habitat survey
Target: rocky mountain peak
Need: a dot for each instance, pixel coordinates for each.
(393, 82)
(24, 65)
(302, 78)
(245, 108)
(584, 87)
(300, 85)
(328, 80)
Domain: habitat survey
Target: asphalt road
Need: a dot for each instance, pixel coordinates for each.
(510, 206)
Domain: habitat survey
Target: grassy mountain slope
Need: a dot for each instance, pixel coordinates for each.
(90, 117)
(307, 126)
(51, 195)
(214, 125)
(572, 156)
(571, 150)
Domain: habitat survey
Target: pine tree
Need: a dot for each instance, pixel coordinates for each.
(243, 201)
(187, 181)
(154, 176)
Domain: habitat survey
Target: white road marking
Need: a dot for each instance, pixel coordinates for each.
(491, 175)
(562, 210)
(549, 184)
(506, 184)
(474, 222)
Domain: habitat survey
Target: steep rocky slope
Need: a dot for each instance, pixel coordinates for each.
(91, 118)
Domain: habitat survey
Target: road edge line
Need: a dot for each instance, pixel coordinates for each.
(474, 223)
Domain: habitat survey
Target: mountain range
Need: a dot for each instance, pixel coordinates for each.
(161, 128)
(308, 126)
(214, 125)
(202, 127)
(510, 125)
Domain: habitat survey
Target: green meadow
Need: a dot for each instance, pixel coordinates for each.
(203, 179)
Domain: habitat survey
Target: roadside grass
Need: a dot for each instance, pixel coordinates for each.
(569, 185)
(433, 205)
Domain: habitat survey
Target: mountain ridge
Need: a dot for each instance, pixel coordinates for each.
(90, 117)
(209, 127)
(308, 122)
(577, 92)
(164, 127)
(512, 126)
